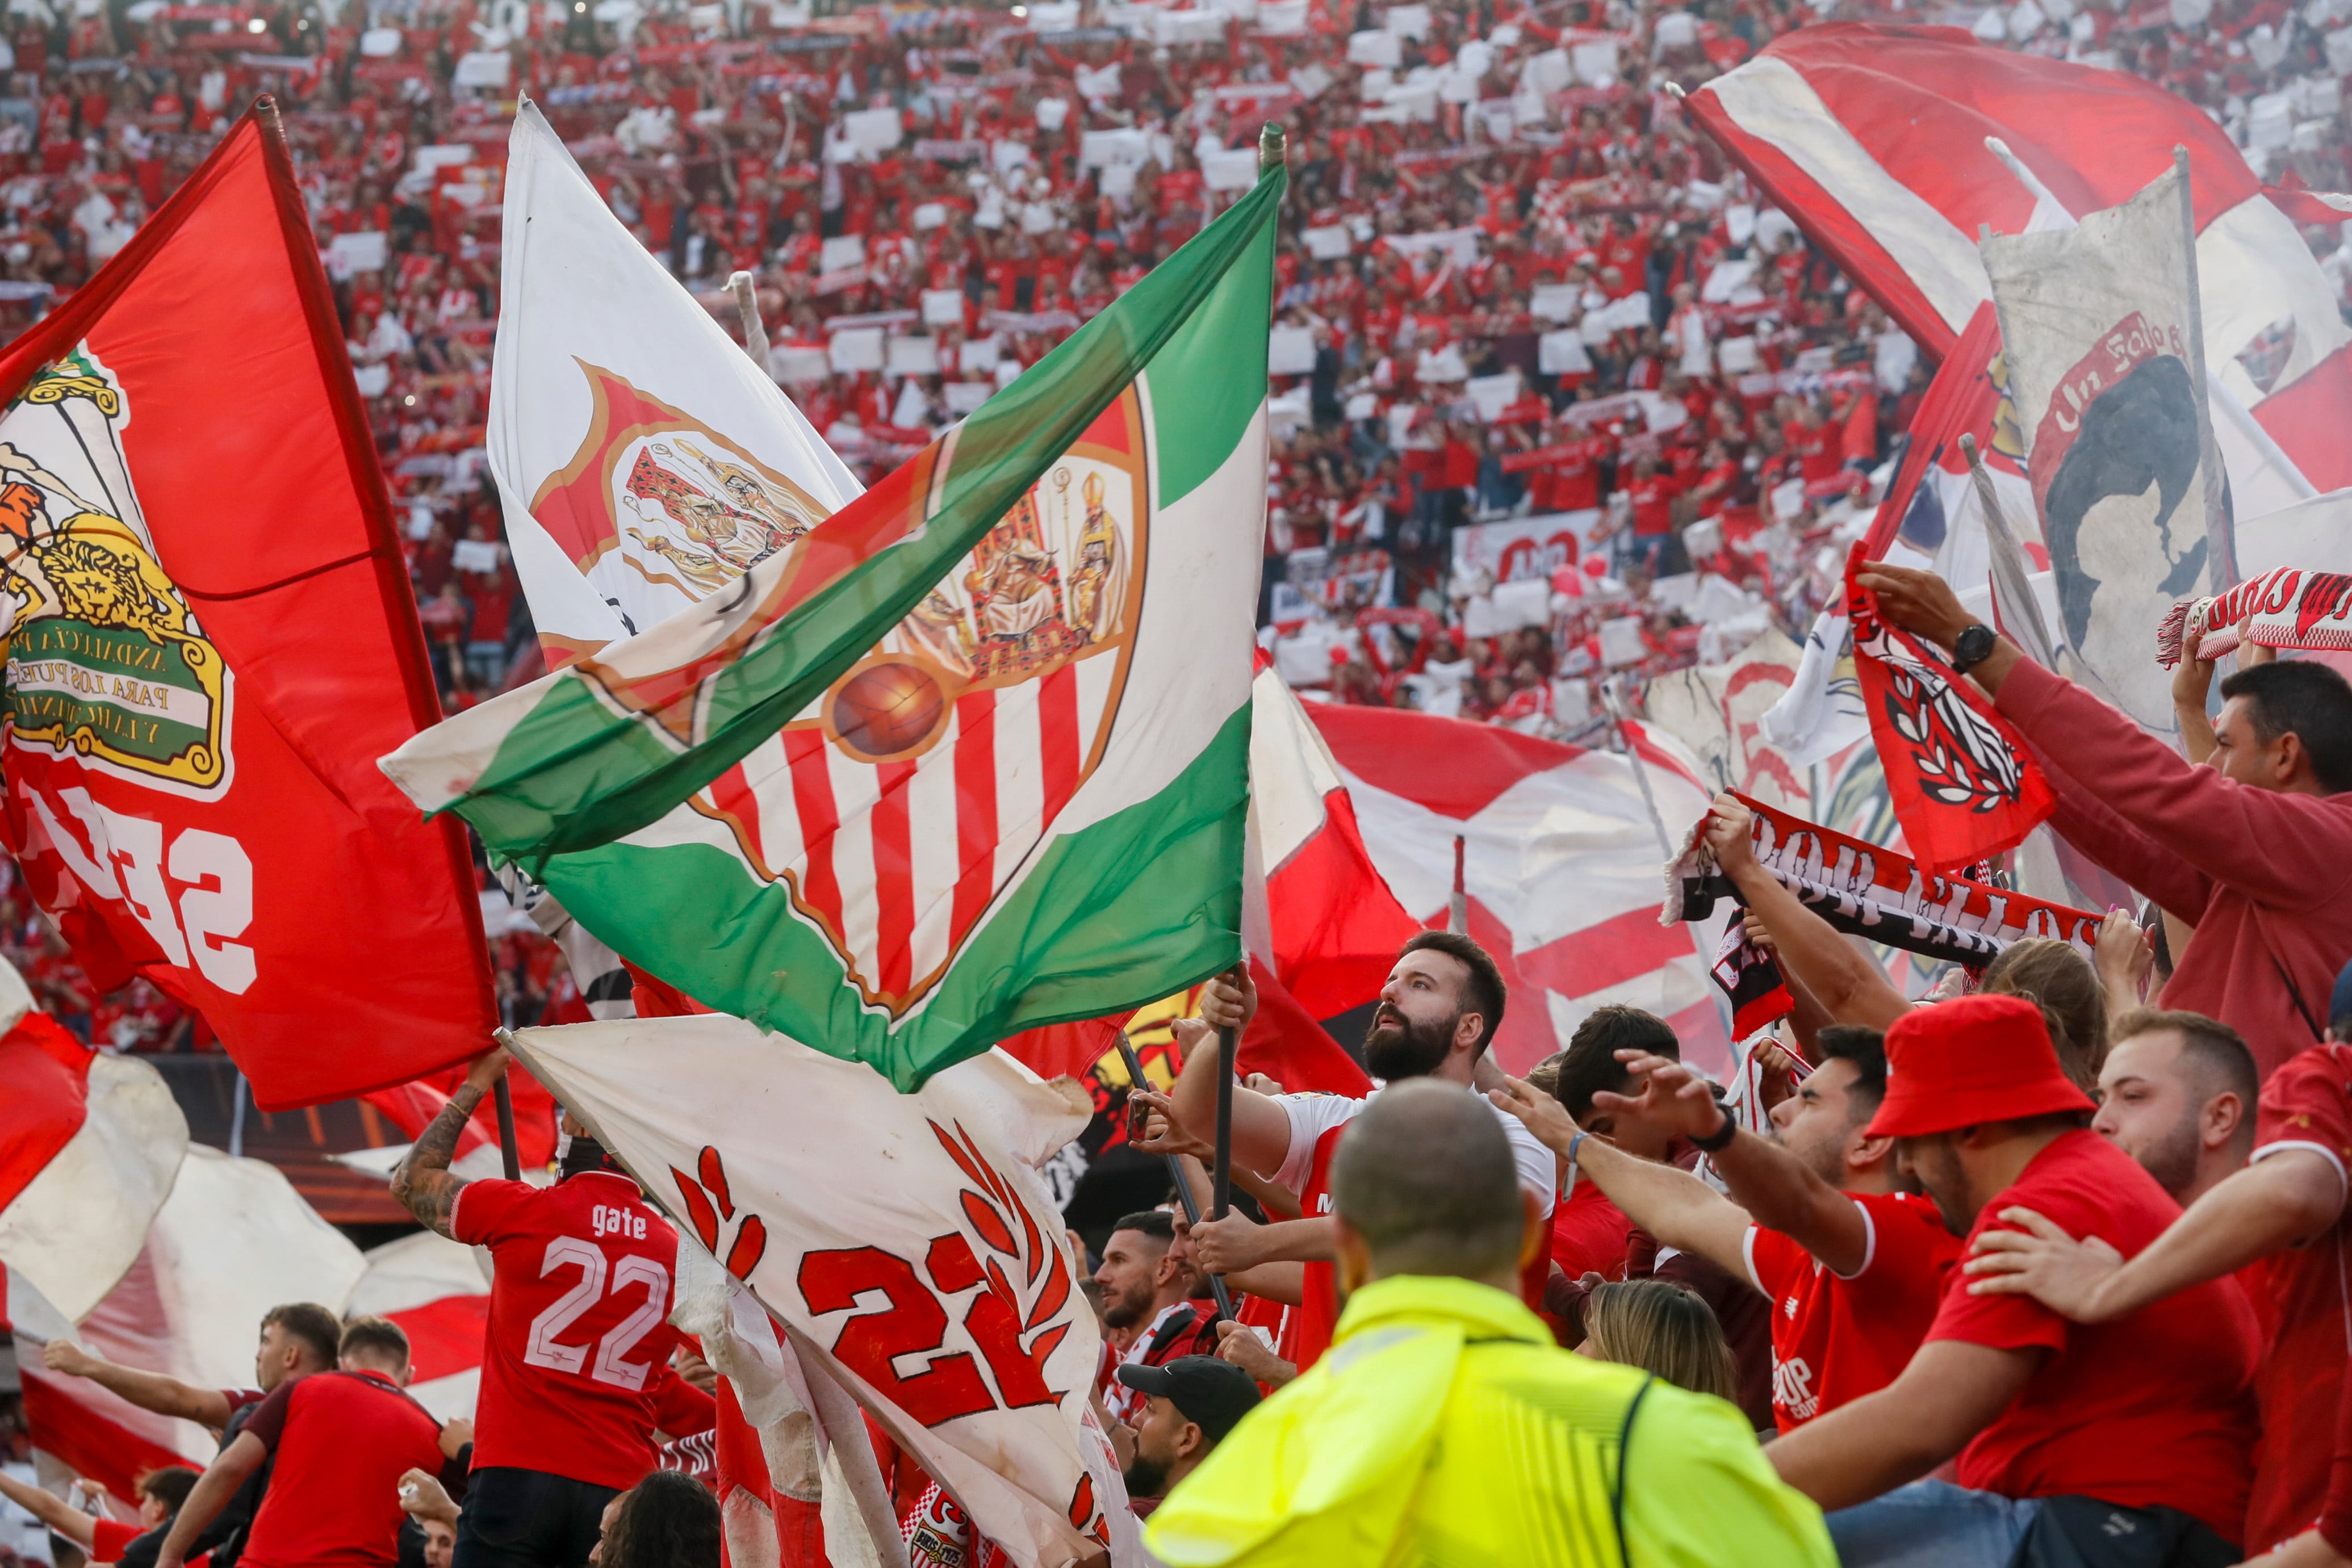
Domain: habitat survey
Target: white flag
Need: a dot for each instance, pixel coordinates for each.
(643, 460)
(2104, 370)
(906, 1242)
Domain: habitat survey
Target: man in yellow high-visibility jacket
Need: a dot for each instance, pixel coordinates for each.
(1445, 1427)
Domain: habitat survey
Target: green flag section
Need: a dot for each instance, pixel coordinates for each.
(971, 756)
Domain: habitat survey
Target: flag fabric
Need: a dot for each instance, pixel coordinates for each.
(643, 460)
(76, 1427)
(232, 1241)
(1931, 504)
(1870, 891)
(1962, 781)
(1560, 865)
(2102, 369)
(1872, 138)
(434, 1288)
(1820, 714)
(1330, 927)
(930, 742)
(798, 1482)
(210, 640)
(1719, 711)
(89, 1144)
(905, 1242)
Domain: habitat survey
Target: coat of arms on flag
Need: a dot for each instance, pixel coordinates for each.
(104, 660)
(702, 509)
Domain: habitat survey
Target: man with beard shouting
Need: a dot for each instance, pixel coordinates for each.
(1437, 1014)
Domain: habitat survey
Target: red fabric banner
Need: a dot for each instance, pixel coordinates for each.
(1962, 782)
(211, 640)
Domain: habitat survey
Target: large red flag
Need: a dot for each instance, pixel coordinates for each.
(211, 640)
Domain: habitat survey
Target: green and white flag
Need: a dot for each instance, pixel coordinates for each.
(969, 757)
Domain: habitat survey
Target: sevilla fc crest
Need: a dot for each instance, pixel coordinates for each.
(922, 781)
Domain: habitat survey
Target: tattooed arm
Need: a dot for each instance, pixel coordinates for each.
(422, 1183)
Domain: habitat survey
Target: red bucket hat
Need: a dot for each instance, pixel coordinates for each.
(1973, 1059)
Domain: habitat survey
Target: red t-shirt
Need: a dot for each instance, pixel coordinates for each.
(1838, 1337)
(109, 1539)
(2153, 1410)
(579, 1331)
(340, 1440)
(1589, 1233)
(1317, 1121)
(2306, 1105)
(1652, 500)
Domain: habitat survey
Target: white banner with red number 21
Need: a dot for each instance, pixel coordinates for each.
(906, 1240)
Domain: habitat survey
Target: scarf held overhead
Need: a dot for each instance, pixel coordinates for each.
(1868, 889)
(2291, 607)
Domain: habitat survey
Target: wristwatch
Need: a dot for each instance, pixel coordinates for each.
(1973, 647)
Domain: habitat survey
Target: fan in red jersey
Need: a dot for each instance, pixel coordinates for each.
(576, 1375)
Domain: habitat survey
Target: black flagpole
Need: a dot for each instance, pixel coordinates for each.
(1175, 1174)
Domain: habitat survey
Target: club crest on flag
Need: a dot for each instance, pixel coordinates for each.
(657, 494)
(104, 659)
(966, 730)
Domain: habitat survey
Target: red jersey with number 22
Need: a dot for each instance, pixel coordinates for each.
(579, 1333)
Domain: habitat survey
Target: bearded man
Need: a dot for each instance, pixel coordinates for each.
(1437, 1014)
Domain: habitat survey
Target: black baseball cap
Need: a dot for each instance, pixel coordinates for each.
(1212, 1395)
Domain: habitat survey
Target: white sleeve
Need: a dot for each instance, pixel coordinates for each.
(1539, 1167)
(1311, 1116)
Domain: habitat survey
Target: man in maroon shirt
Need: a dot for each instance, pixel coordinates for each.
(2254, 852)
(2064, 1435)
(339, 1443)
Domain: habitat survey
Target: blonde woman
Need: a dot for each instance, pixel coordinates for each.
(1663, 1328)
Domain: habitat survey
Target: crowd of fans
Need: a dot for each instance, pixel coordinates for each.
(1514, 279)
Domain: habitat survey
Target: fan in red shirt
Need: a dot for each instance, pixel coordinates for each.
(101, 1540)
(2066, 1436)
(338, 1443)
(1818, 1218)
(575, 1365)
(2287, 1206)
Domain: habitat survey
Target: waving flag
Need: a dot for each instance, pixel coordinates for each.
(1561, 864)
(89, 1144)
(932, 744)
(1873, 139)
(643, 462)
(2103, 374)
(905, 1242)
(210, 639)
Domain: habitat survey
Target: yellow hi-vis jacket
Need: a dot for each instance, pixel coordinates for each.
(1444, 1427)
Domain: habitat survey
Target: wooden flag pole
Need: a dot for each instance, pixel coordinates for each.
(1175, 1174)
(503, 1097)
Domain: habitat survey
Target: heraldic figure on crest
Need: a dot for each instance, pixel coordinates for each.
(1016, 595)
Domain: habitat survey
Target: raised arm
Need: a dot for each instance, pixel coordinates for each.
(1679, 1209)
(1770, 1185)
(1261, 1127)
(2273, 846)
(209, 1496)
(422, 1181)
(149, 1390)
(1843, 983)
(54, 1511)
(2273, 1204)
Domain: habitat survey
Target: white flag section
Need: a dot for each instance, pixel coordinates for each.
(2099, 331)
(91, 1145)
(812, 1441)
(233, 1240)
(904, 1241)
(643, 462)
(438, 1291)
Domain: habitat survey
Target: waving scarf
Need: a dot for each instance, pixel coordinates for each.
(2291, 607)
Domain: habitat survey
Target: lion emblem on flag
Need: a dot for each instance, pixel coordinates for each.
(105, 659)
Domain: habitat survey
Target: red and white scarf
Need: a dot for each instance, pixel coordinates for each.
(2291, 607)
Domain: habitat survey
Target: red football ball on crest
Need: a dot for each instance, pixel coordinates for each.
(886, 709)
